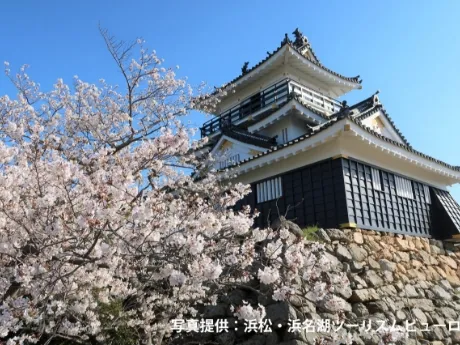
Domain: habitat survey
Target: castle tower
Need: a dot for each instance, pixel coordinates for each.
(321, 161)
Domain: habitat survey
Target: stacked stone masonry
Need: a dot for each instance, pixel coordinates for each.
(392, 277)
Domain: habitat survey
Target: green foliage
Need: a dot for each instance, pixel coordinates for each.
(310, 232)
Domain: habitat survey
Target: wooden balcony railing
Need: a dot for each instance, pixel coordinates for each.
(320, 102)
(275, 94)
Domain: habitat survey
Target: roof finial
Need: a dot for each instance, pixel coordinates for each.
(345, 111)
(244, 69)
(300, 39)
(375, 98)
(286, 39)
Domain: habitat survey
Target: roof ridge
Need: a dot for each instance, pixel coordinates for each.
(365, 114)
(319, 64)
(288, 42)
(367, 129)
(246, 132)
(313, 110)
(346, 111)
(247, 137)
(394, 126)
(380, 106)
(406, 147)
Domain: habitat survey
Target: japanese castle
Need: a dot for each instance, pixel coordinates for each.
(318, 161)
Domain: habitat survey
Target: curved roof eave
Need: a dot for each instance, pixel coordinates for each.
(280, 51)
(334, 121)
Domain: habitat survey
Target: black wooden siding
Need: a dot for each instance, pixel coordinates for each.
(312, 195)
(384, 210)
(446, 213)
(340, 191)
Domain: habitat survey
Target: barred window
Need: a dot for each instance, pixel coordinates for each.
(426, 191)
(404, 187)
(284, 136)
(376, 182)
(229, 161)
(269, 190)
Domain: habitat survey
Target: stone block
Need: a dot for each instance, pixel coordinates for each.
(337, 235)
(386, 265)
(358, 237)
(372, 278)
(419, 315)
(439, 292)
(342, 253)
(357, 252)
(364, 295)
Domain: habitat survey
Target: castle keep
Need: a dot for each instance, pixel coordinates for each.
(321, 161)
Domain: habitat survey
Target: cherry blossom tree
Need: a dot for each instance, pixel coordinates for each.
(109, 220)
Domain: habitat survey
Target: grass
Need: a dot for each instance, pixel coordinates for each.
(310, 232)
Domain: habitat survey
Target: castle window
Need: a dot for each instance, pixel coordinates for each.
(284, 135)
(426, 191)
(404, 187)
(230, 161)
(269, 190)
(376, 182)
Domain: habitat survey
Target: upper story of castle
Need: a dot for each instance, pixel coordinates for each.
(292, 71)
(284, 99)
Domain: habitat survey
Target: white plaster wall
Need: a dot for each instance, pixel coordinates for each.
(358, 149)
(295, 126)
(387, 131)
(241, 93)
(236, 148)
(307, 80)
(298, 127)
(299, 160)
(293, 157)
(278, 73)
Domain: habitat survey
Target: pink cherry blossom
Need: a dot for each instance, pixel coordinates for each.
(96, 211)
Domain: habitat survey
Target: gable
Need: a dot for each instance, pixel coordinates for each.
(229, 151)
(380, 123)
(285, 129)
(226, 145)
(292, 108)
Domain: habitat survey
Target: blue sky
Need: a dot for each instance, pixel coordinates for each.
(406, 49)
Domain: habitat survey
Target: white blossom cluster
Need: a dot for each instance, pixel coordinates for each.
(100, 227)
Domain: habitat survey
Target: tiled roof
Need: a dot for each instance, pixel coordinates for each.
(451, 206)
(287, 42)
(266, 113)
(313, 110)
(406, 147)
(319, 64)
(270, 111)
(248, 138)
(396, 128)
(390, 120)
(370, 106)
(313, 132)
(365, 105)
(346, 116)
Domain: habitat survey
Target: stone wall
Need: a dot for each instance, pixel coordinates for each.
(398, 277)
(392, 277)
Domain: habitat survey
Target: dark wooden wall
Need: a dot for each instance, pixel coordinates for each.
(384, 210)
(340, 191)
(446, 214)
(312, 195)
